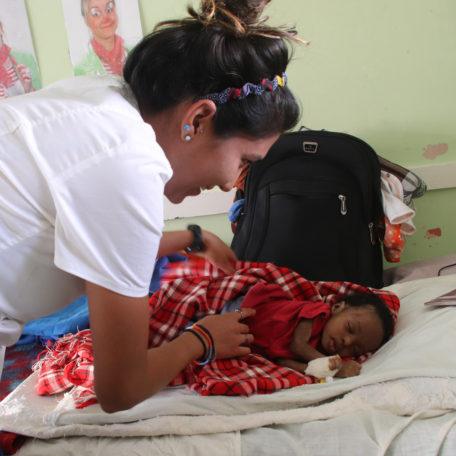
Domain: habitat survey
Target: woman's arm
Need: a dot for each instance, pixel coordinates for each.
(216, 251)
(174, 241)
(126, 371)
(300, 342)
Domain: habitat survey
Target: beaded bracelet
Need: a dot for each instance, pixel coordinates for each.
(207, 332)
(210, 353)
(205, 337)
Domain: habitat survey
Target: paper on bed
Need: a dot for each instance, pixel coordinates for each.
(447, 299)
(418, 349)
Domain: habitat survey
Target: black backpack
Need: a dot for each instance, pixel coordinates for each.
(314, 205)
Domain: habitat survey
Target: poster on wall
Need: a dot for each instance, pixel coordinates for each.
(101, 33)
(19, 72)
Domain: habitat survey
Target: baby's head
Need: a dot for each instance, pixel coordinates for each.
(360, 323)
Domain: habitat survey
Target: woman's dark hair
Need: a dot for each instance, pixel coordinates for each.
(222, 45)
(378, 305)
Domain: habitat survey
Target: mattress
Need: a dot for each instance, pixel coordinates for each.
(408, 386)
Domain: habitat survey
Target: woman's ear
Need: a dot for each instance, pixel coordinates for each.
(338, 307)
(199, 116)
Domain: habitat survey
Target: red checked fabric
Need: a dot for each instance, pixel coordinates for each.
(191, 290)
(68, 365)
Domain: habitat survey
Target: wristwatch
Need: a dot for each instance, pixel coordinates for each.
(197, 244)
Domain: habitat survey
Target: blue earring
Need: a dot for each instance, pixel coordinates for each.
(187, 128)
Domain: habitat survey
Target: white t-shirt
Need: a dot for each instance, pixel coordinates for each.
(81, 197)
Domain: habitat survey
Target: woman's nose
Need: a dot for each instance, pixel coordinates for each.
(106, 16)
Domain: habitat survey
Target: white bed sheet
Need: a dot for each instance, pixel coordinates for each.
(422, 346)
(318, 438)
(193, 445)
(366, 433)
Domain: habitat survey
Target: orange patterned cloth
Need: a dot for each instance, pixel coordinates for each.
(393, 242)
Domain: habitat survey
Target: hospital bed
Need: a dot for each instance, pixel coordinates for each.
(403, 403)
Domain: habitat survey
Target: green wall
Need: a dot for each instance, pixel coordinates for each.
(382, 70)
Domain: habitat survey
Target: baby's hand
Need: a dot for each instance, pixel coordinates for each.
(349, 368)
(335, 362)
(324, 367)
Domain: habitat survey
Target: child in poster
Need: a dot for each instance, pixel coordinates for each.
(99, 44)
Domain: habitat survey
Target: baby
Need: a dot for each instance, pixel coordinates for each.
(292, 333)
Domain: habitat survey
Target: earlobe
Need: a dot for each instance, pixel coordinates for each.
(186, 132)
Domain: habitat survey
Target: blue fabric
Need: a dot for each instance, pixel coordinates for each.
(160, 266)
(235, 210)
(26, 340)
(70, 319)
(233, 305)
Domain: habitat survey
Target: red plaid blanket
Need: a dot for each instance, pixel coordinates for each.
(191, 290)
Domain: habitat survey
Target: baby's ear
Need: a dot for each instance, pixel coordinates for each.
(338, 307)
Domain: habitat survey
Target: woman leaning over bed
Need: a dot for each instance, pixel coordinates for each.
(84, 165)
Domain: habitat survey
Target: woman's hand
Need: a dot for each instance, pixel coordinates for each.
(218, 253)
(231, 336)
(350, 368)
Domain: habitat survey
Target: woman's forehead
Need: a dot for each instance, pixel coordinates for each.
(256, 149)
(98, 3)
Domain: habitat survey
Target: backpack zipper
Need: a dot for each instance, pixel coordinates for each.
(343, 204)
(371, 233)
(352, 138)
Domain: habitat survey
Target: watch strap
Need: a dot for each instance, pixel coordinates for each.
(197, 244)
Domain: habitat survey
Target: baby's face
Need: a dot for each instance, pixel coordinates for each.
(352, 331)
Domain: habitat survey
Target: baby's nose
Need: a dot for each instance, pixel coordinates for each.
(348, 341)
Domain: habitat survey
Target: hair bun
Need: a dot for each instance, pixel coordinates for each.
(241, 18)
(248, 11)
(238, 15)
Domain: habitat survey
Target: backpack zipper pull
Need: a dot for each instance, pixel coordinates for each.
(343, 204)
(371, 233)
